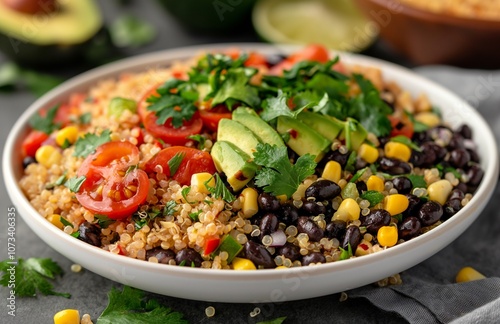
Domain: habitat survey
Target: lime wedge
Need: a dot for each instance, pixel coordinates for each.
(336, 24)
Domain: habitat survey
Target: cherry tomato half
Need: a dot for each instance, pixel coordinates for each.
(33, 141)
(111, 186)
(194, 161)
(167, 132)
(401, 126)
(211, 117)
(315, 53)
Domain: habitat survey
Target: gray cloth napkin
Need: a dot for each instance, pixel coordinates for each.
(428, 293)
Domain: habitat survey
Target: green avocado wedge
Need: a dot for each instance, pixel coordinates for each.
(237, 134)
(265, 133)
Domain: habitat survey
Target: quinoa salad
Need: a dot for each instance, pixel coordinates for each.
(237, 160)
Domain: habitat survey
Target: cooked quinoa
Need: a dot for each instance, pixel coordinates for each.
(324, 220)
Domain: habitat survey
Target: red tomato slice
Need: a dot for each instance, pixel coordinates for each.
(194, 161)
(211, 245)
(33, 141)
(211, 117)
(167, 132)
(110, 188)
(255, 60)
(401, 126)
(315, 53)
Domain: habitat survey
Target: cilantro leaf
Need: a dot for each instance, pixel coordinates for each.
(275, 107)
(169, 208)
(278, 320)
(417, 181)
(322, 83)
(185, 191)
(31, 276)
(130, 31)
(60, 181)
(103, 221)
(175, 162)
(85, 118)
(74, 184)
(235, 87)
(220, 190)
(346, 254)
(277, 175)
(65, 222)
(406, 141)
(373, 196)
(39, 83)
(194, 215)
(358, 174)
(45, 124)
(130, 306)
(90, 142)
(198, 138)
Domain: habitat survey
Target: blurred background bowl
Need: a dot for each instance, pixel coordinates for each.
(426, 37)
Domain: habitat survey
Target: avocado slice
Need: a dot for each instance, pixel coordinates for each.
(265, 133)
(329, 127)
(354, 134)
(237, 134)
(235, 164)
(49, 37)
(302, 138)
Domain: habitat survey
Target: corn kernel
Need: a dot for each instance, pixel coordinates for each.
(368, 153)
(397, 150)
(375, 183)
(55, 219)
(332, 171)
(47, 155)
(69, 133)
(468, 274)
(250, 206)
(281, 267)
(396, 204)
(349, 210)
(428, 118)
(67, 316)
(243, 264)
(282, 198)
(198, 180)
(387, 236)
(439, 191)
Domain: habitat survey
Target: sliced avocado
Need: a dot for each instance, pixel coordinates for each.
(354, 134)
(329, 127)
(49, 37)
(237, 134)
(265, 133)
(234, 163)
(302, 138)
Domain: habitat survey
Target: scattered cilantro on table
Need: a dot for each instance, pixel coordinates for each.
(130, 306)
(278, 175)
(130, 31)
(12, 76)
(31, 276)
(90, 142)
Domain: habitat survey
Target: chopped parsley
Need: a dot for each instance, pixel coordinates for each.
(200, 139)
(60, 181)
(45, 123)
(358, 175)
(85, 118)
(406, 141)
(417, 181)
(90, 142)
(103, 221)
(74, 184)
(185, 192)
(235, 88)
(65, 222)
(142, 218)
(373, 196)
(278, 175)
(194, 215)
(219, 190)
(175, 162)
(31, 276)
(170, 208)
(275, 107)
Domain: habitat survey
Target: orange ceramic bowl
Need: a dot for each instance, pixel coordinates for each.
(430, 38)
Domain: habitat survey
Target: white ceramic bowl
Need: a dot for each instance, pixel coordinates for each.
(262, 285)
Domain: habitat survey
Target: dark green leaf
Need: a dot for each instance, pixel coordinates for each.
(170, 208)
(185, 191)
(200, 139)
(235, 86)
(194, 215)
(90, 142)
(46, 123)
(175, 162)
(417, 181)
(373, 196)
(39, 83)
(65, 222)
(406, 141)
(358, 175)
(398, 217)
(60, 181)
(220, 190)
(74, 184)
(351, 161)
(130, 31)
(85, 118)
(275, 107)
(103, 220)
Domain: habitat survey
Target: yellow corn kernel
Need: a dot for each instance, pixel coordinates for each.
(250, 206)
(428, 118)
(387, 236)
(398, 151)
(55, 219)
(375, 183)
(364, 248)
(368, 153)
(468, 274)
(282, 198)
(67, 316)
(349, 210)
(332, 171)
(396, 204)
(243, 264)
(69, 133)
(439, 191)
(281, 267)
(47, 155)
(198, 180)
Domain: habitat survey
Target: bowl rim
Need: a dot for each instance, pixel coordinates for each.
(439, 18)
(137, 63)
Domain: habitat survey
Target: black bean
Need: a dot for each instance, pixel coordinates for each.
(428, 155)
(268, 224)
(314, 257)
(383, 140)
(420, 137)
(361, 186)
(336, 156)
(475, 175)
(376, 219)
(188, 257)
(27, 161)
(90, 233)
(360, 164)
(414, 204)
(313, 208)
(430, 212)
(456, 142)
(268, 202)
(336, 229)
(465, 131)
(409, 228)
(451, 207)
(457, 194)
(323, 190)
(394, 166)
(352, 237)
(459, 157)
(309, 227)
(474, 157)
(462, 187)
(402, 185)
(163, 256)
(258, 254)
(289, 214)
(289, 251)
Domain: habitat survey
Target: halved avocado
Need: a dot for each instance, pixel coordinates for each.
(48, 37)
